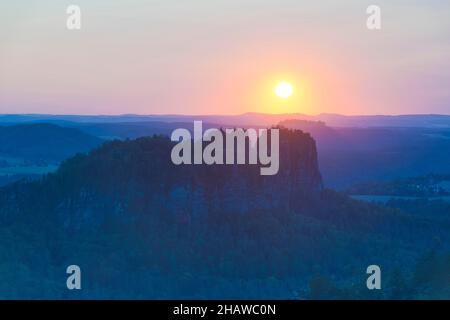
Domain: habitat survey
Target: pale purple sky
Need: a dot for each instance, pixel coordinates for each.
(224, 57)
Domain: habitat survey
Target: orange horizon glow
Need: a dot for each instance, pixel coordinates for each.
(175, 59)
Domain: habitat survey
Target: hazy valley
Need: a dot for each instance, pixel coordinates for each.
(145, 228)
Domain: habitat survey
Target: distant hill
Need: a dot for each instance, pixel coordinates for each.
(249, 119)
(133, 130)
(413, 120)
(41, 141)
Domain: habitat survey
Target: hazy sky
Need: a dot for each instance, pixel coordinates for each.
(224, 57)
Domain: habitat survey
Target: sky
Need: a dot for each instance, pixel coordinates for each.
(224, 57)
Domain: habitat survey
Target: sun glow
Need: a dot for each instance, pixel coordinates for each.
(284, 90)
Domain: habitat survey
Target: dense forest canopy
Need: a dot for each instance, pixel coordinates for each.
(141, 227)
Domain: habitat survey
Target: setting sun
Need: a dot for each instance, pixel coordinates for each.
(284, 90)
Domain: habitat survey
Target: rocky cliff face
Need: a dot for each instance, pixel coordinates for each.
(127, 179)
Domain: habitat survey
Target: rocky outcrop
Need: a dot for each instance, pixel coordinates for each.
(125, 179)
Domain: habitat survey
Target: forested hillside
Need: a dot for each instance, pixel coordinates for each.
(141, 227)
